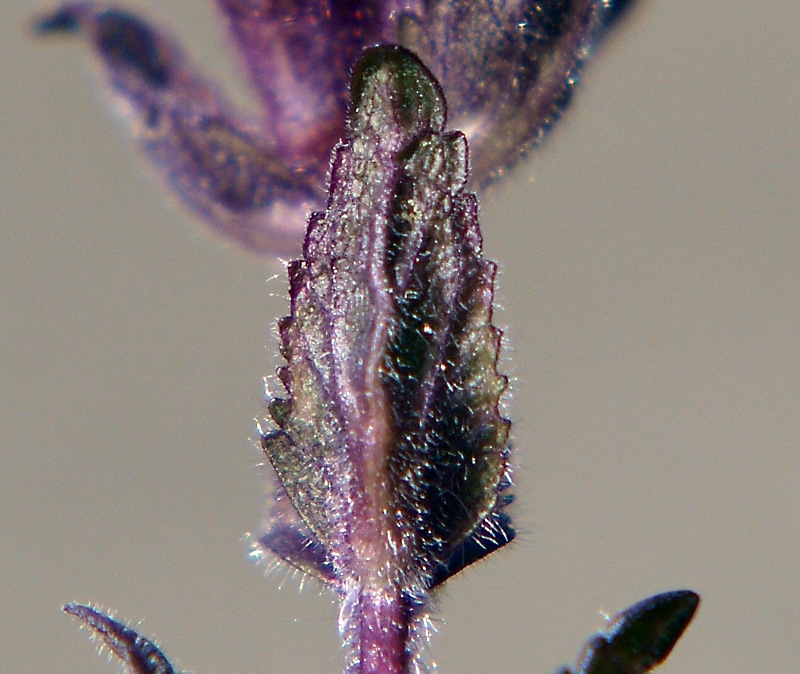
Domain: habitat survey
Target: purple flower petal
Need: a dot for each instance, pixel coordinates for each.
(299, 54)
(507, 70)
(232, 173)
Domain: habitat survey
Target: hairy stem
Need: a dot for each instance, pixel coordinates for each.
(376, 624)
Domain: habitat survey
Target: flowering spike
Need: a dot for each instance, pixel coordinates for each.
(507, 69)
(390, 448)
(640, 637)
(139, 655)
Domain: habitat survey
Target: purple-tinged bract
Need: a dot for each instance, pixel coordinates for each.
(390, 451)
(506, 67)
(138, 654)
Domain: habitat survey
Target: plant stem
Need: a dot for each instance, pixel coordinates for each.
(376, 624)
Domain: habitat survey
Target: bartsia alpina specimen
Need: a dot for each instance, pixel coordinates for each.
(507, 69)
(387, 447)
(389, 452)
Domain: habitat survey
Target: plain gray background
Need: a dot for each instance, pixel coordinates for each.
(650, 259)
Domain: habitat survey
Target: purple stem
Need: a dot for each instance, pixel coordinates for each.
(376, 624)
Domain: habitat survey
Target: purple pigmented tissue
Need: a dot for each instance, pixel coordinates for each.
(641, 637)
(506, 68)
(390, 452)
(139, 655)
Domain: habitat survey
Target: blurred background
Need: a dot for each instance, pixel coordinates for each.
(649, 285)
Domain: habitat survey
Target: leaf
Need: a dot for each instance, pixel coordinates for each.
(138, 654)
(389, 449)
(640, 637)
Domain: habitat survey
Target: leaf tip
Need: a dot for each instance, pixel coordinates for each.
(642, 636)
